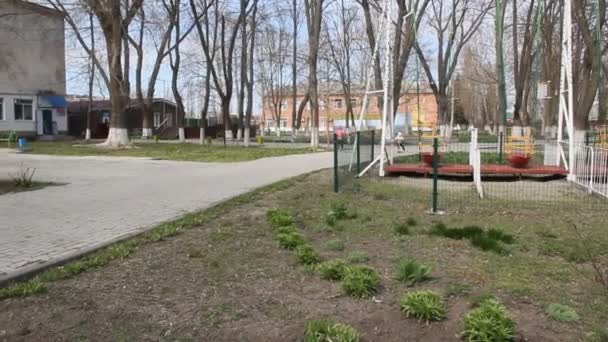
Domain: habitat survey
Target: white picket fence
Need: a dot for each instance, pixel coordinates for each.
(589, 169)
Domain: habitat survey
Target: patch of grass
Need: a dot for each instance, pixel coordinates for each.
(401, 229)
(358, 257)
(23, 289)
(410, 271)
(424, 305)
(279, 218)
(490, 240)
(332, 269)
(162, 232)
(480, 298)
(307, 255)
(338, 212)
(411, 222)
(599, 334)
(562, 313)
(290, 240)
(458, 289)
(360, 281)
(329, 331)
(334, 245)
(168, 151)
(489, 322)
(286, 230)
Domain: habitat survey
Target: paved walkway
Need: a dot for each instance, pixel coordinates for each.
(108, 198)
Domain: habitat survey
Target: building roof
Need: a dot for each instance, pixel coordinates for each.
(80, 104)
(37, 8)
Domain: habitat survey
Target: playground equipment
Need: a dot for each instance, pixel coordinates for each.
(425, 145)
(519, 147)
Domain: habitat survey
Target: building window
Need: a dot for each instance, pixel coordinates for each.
(24, 109)
(338, 103)
(283, 123)
(269, 123)
(1, 108)
(157, 119)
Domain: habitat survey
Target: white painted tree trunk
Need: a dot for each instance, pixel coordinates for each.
(228, 134)
(87, 134)
(246, 136)
(580, 136)
(239, 134)
(146, 133)
(314, 137)
(277, 129)
(202, 136)
(117, 137)
(181, 132)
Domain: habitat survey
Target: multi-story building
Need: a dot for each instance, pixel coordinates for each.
(32, 69)
(415, 109)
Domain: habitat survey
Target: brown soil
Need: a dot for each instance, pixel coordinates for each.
(228, 281)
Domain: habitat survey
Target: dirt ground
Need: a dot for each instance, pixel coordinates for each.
(227, 280)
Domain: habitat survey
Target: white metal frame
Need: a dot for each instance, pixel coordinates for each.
(566, 96)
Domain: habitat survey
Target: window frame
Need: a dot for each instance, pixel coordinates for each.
(19, 102)
(338, 103)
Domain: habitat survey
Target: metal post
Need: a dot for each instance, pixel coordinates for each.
(358, 147)
(435, 172)
(336, 185)
(373, 144)
(500, 147)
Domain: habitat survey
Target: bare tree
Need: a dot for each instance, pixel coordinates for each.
(114, 20)
(453, 25)
(250, 75)
(314, 15)
(174, 63)
(87, 134)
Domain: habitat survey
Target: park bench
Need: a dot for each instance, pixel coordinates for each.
(8, 137)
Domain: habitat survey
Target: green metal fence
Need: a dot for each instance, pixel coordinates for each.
(353, 152)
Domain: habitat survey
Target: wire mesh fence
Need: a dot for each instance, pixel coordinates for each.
(513, 171)
(353, 152)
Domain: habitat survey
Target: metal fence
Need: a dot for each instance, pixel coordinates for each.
(453, 174)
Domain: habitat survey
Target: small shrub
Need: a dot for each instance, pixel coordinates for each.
(424, 305)
(307, 255)
(360, 281)
(338, 212)
(328, 331)
(401, 229)
(411, 222)
(499, 235)
(23, 177)
(358, 257)
(23, 289)
(290, 240)
(599, 334)
(334, 245)
(411, 272)
(279, 218)
(562, 313)
(485, 243)
(490, 322)
(332, 269)
(286, 230)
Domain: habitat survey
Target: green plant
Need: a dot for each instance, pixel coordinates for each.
(337, 212)
(286, 230)
(307, 255)
(411, 272)
(600, 334)
(358, 257)
(424, 305)
(162, 232)
(562, 313)
(360, 281)
(487, 241)
(332, 269)
(329, 331)
(279, 218)
(478, 299)
(290, 240)
(489, 322)
(411, 222)
(401, 229)
(499, 235)
(334, 245)
(23, 177)
(23, 289)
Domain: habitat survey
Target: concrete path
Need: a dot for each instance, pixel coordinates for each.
(109, 198)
